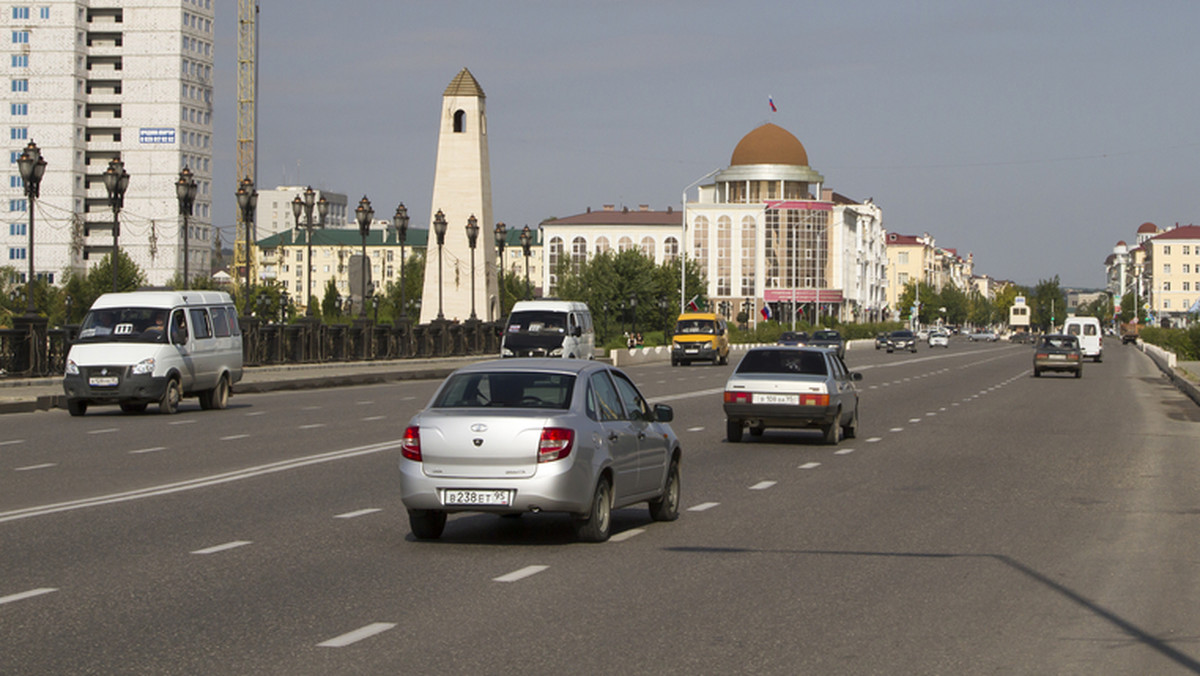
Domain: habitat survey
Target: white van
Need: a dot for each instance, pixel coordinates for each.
(1087, 330)
(145, 347)
(549, 328)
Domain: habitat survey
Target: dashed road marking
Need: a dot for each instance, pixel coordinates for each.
(27, 468)
(106, 430)
(896, 429)
(361, 512)
(154, 449)
(357, 635)
(21, 596)
(703, 506)
(310, 427)
(255, 413)
(234, 436)
(221, 548)
(843, 451)
(762, 485)
(873, 440)
(182, 422)
(625, 535)
(10, 442)
(810, 465)
(374, 417)
(520, 574)
(695, 429)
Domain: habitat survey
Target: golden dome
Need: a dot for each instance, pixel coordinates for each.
(770, 144)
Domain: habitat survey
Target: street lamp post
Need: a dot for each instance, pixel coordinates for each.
(116, 182)
(185, 192)
(305, 206)
(439, 229)
(500, 233)
(633, 314)
(400, 223)
(247, 199)
(472, 235)
(526, 242)
(365, 214)
(32, 166)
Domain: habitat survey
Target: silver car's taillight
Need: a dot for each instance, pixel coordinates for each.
(410, 446)
(555, 443)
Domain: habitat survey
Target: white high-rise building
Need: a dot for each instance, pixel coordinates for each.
(95, 80)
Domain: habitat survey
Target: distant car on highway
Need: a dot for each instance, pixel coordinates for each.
(829, 339)
(531, 435)
(985, 335)
(939, 339)
(1058, 352)
(792, 387)
(881, 340)
(902, 340)
(794, 338)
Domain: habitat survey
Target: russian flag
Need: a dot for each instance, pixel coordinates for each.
(766, 312)
(771, 102)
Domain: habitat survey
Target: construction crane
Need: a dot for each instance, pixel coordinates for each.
(247, 126)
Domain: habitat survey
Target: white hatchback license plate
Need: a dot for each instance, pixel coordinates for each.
(791, 399)
(104, 381)
(501, 498)
(1058, 357)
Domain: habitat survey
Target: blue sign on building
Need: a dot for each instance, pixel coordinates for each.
(156, 135)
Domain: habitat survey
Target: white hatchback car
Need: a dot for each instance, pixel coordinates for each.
(939, 339)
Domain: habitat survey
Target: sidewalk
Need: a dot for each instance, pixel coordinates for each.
(44, 394)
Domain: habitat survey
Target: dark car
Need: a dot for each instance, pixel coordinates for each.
(1058, 352)
(881, 340)
(902, 340)
(829, 339)
(794, 338)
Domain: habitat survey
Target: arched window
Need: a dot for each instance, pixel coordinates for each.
(670, 249)
(724, 254)
(748, 257)
(700, 243)
(624, 244)
(648, 247)
(602, 244)
(555, 256)
(460, 121)
(578, 253)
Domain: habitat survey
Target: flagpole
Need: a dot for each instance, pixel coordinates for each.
(683, 241)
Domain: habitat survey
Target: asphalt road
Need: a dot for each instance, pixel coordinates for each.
(983, 522)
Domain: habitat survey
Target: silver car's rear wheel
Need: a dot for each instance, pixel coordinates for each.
(850, 430)
(426, 524)
(594, 526)
(832, 432)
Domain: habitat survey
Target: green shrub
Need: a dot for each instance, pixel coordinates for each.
(1185, 343)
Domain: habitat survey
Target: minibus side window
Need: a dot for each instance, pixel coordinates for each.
(200, 323)
(220, 322)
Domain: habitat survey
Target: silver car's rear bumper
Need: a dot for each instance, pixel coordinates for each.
(561, 486)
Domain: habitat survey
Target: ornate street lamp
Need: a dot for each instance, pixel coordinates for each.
(116, 182)
(365, 214)
(526, 242)
(247, 199)
(400, 223)
(305, 206)
(439, 229)
(185, 192)
(32, 166)
(501, 232)
(472, 235)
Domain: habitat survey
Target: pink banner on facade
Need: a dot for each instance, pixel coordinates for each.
(802, 295)
(811, 206)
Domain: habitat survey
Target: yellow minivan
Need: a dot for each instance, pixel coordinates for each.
(700, 336)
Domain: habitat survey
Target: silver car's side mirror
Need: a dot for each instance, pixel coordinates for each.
(856, 376)
(663, 413)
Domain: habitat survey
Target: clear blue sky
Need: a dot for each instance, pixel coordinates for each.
(1032, 134)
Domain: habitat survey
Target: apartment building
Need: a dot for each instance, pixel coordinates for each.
(90, 81)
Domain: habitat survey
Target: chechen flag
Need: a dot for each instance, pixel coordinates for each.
(771, 102)
(766, 312)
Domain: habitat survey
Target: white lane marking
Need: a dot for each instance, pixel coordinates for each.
(625, 535)
(874, 439)
(182, 422)
(234, 436)
(844, 451)
(703, 506)
(361, 512)
(26, 595)
(374, 417)
(27, 468)
(520, 574)
(10, 442)
(310, 427)
(106, 430)
(310, 408)
(695, 429)
(202, 482)
(810, 465)
(914, 420)
(255, 413)
(930, 413)
(363, 403)
(155, 449)
(896, 429)
(357, 635)
(220, 548)
(762, 485)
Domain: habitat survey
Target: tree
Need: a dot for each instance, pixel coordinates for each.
(928, 311)
(414, 284)
(956, 304)
(1049, 304)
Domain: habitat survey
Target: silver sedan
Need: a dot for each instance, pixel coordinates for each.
(532, 435)
(792, 387)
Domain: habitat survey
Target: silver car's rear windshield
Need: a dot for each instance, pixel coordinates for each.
(783, 361)
(506, 390)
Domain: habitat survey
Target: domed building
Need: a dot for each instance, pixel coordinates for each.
(766, 234)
